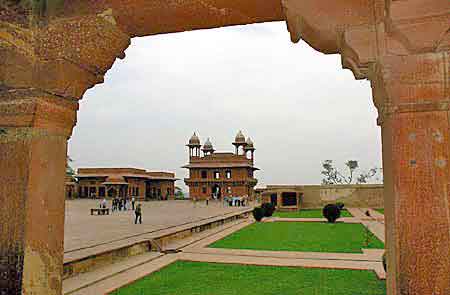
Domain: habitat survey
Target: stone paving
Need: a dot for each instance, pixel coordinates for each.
(83, 230)
(370, 259)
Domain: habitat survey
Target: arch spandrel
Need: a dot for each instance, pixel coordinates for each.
(143, 17)
(50, 57)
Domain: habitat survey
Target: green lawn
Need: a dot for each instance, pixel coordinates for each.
(201, 278)
(308, 213)
(380, 210)
(301, 236)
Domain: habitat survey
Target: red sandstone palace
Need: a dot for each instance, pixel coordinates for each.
(218, 175)
(122, 182)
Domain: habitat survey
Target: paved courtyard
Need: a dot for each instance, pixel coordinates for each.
(83, 230)
(108, 278)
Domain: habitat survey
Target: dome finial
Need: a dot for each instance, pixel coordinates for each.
(194, 140)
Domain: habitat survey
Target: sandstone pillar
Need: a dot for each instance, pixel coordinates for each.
(44, 70)
(34, 128)
(279, 200)
(412, 96)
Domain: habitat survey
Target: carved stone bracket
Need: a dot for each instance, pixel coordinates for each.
(20, 108)
(377, 37)
(63, 58)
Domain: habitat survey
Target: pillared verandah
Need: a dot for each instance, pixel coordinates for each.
(51, 52)
(219, 175)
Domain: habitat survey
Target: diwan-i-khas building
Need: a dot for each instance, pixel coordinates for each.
(220, 174)
(125, 182)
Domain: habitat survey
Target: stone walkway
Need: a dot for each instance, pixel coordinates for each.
(82, 253)
(197, 250)
(83, 230)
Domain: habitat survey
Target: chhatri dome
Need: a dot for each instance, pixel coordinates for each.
(208, 145)
(208, 148)
(249, 144)
(240, 138)
(194, 140)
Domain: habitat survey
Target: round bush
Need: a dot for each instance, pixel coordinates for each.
(258, 213)
(268, 208)
(331, 212)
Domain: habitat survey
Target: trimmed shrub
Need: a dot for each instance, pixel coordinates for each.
(331, 212)
(268, 208)
(258, 213)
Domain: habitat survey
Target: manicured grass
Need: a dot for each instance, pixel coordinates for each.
(301, 236)
(201, 278)
(381, 210)
(308, 213)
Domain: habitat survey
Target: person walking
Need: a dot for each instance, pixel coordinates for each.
(133, 200)
(104, 203)
(138, 214)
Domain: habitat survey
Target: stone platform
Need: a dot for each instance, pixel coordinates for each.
(112, 239)
(85, 231)
(109, 278)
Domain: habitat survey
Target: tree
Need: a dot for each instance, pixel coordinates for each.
(179, 194)
(333, 176)
(69, 170)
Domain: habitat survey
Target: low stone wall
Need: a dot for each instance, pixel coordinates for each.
(317, 196)
(95, 261)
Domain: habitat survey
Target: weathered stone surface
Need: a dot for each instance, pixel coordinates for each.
(33, 148)
(51, 55)
(142, 17)
(413, 102)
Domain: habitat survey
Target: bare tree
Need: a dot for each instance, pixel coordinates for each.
(331, 175)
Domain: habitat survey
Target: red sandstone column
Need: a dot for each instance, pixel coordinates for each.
(34, 128)
(412, 95)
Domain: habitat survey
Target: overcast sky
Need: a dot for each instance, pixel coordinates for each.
(299, 106)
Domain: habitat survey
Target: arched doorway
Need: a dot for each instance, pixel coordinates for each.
(112, 192)
(401, 46)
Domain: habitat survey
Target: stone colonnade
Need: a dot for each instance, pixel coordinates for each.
(50, 55)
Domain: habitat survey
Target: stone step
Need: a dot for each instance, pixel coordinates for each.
(84, 280)
(90, 259)
(179, 244)
(83, 253)
(112, 283)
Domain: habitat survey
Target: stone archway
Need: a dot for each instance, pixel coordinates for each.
(51, 52)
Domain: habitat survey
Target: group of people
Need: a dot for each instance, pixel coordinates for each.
(119, 204)
(230, 201)
(236, 201)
